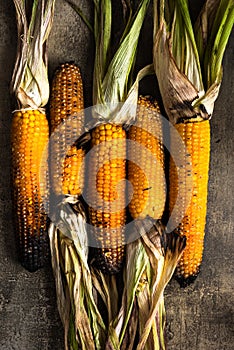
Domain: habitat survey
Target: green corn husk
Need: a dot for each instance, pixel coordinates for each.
(114, 93)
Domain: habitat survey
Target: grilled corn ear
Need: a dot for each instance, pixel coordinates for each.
(29, 136)
(146, 163)
(67, 125)
(107, 214)
(196, 138)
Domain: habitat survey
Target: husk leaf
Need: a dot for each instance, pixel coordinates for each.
(30, 76)
(173, 250)
(187, 59)
(72, 274)
(111, 74)
(150, 263)
(177, 91)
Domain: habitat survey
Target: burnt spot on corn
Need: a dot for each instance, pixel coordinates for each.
(147, 189)
(35, 251)
(185, 282)
(110, 260)
(66, 95)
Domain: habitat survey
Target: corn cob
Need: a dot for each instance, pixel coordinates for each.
(30, 134)
(146, 175)
(107, 213)
(196, 138)
(30, 131)
(67, 125)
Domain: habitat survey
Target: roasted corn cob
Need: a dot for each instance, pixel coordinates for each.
(67, 125)
(30, 134)
(187, 59)
(146, 174)
(30, 131)
(196, 138)
(106, 197)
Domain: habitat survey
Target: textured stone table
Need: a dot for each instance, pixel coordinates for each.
(200, 317)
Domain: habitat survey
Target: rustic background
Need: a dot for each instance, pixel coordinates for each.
(199, 317)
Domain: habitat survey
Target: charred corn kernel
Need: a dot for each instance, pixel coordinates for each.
(146, 162)
(67, 125)
(196, 138)
(30, 186)
(106, 196)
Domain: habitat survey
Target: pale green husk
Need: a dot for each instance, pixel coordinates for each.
(112, 84)
(30, 77)
(188, 58)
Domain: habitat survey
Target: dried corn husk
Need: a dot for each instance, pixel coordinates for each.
(30, 77)
(188, 59)
(83, 323)
(150, 264)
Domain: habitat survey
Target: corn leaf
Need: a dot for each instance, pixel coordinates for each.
(128, 108)
(81, 14)
(102, 33)
(137, 260)
(116, 79)
(112, 73)
(217, 42)
(190, 64)
(178, 92)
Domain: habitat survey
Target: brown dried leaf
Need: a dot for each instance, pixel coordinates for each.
(178, 93)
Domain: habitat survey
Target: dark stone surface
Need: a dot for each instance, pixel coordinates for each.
(199, 317)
